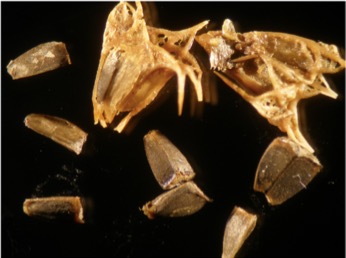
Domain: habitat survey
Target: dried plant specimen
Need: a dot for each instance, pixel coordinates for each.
(136, 63)
(59, 130)
(284, 170)
(150, 13)
(273, 71)
(40, 59)
(238, 228)
(57, 207)
(181, 201)
(169, 165)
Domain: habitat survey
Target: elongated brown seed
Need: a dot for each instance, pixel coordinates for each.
(58, 207)
(40, 59)
(169, 165)
(182, 201)
(59, 130)
(285, 169)
(238, 228)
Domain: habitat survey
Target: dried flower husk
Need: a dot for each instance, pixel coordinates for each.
(40, 59)
(273, 71)
(136, 63)
(59, 130)
(150, 13)
(238, 228)
(284, 170)
(55, 208)
(181, 201)
(168, 164)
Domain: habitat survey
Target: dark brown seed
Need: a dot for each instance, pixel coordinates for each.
(285, 169)
(238, 228)
(40, 59)
(182, 201)
(169, 165)
(59, 207)
(59, 130)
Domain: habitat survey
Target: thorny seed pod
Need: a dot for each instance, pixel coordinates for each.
(136, 63)
(169, 165)
(57, 207)
(40, 59)
(238, 228)
(284, 170)
(181, 201)
(59, 130)
(273, 71)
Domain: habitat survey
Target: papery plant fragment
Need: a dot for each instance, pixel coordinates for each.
(273, 71)
(168, 164)
(181, 201)
(285, 169)
(40, 59)
(59, 130)
(136, 63)
(55, 208)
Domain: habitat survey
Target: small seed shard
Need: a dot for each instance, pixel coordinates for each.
(40, 59)
(284, 170)
(238, 228)
(168, 164)
(59, 130)
(181, 201)
(57, 207)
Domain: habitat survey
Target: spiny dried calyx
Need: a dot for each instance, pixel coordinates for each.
(273, 71)
(136, 63)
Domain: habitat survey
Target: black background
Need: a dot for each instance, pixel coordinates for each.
(224, 145)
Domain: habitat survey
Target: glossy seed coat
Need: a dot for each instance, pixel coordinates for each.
(168, 164)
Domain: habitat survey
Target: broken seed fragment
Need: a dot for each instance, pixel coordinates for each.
(168, 164)
(285, 169)
(238, 228)
(57, 207)
(40, 59)
(182, 201)
(59, 130)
